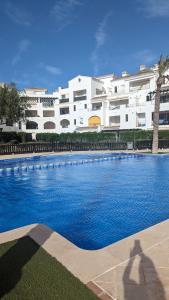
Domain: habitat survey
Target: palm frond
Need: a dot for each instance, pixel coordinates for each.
(163, 64)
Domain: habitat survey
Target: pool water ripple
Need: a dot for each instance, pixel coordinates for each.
(94, 203)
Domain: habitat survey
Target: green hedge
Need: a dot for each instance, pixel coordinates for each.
(76, 137)
(138, 135)
(131, 135)
(121, 136)
(14, 137)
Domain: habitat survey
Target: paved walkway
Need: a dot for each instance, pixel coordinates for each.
(11, 156)
(136, 268)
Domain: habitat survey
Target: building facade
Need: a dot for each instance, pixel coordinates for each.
(96, 103)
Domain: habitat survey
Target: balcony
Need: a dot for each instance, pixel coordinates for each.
(47, 102)
(80, 98)
(113, 107)
(64, 100)
(97, 106)
(112, 127)
(118, 96)
(141, 124)
(31, 113)
(114, 122)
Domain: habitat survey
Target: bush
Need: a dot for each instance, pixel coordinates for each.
(86, 137)
(6, 137)
(76, 137)
(130, 135)
(24, 137)
(11, 137)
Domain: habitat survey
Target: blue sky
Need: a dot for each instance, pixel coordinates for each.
(46, 43)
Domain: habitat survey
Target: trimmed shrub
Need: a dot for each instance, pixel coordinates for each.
(6, 137)
(85, 137)
(11, 137)
(24, 137)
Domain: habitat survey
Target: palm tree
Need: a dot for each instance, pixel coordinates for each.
(163, 66)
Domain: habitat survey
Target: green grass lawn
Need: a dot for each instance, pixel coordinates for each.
(28, 272)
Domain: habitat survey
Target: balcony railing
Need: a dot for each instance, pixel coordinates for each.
(113, 107)
(97, 108)
(64, 100)
(45, 104)
(117, 125)
(141, 124)
(80, 98)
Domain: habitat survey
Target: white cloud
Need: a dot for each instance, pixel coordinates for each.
(22, 48)
(145, 56)
(100, 38)
(17, 14)
(63, 12)
(155, 8)
(51, 69)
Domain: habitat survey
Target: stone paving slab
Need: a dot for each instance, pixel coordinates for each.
(135, 268)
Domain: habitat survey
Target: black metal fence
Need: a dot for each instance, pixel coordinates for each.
(60, 147)
(147, 144)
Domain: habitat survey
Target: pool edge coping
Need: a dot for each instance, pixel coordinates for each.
(87, 265)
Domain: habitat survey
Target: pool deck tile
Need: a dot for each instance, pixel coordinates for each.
(135, 268)
(12, 156)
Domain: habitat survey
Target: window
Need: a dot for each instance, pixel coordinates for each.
(139, 85)
(47, 102)
(115, 89)
(163, 118)
(81, 121)
(140, 119)
(48, 113)
(65, 123)
(164, 98)
(31, 125)
(85, 106)
(127, 118)
(30, 101)
(74, 121)
(80, 95)
(99, 92)
(96, 106)
(64, 110)
(74, 107)
(31, 113)
(49, 125)
(64, 98)
(20, 125)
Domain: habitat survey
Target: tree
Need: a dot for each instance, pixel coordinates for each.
(163, 66)
(12, 106)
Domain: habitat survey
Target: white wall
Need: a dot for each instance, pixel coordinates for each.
(136, 107)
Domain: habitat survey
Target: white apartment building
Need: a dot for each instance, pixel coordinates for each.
(93, 104)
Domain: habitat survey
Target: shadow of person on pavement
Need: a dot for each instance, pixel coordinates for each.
(141, 290)
(13, 261)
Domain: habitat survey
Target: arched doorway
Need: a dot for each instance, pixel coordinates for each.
(49, 125)
(94, 121)
(65, 123)
(31, 125)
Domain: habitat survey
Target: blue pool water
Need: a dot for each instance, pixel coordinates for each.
(92, 204)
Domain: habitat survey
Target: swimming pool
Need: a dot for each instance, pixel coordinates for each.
(93, 199)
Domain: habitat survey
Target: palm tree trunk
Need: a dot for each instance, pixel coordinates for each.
(156, 119)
